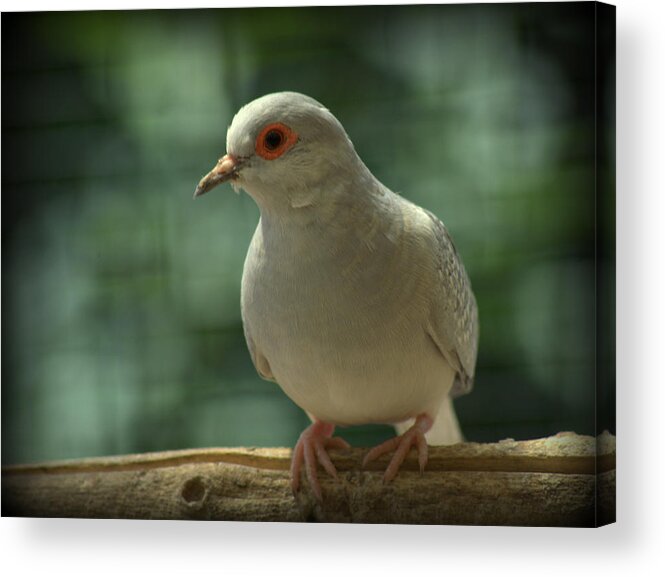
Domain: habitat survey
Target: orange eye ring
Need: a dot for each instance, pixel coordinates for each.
(274, 140)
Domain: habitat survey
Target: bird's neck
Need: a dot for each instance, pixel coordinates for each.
(343, 227)
(340, 193)
(329, 204)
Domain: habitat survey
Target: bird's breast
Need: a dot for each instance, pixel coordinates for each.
(340, 321)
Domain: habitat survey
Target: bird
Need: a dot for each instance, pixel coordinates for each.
(354, 300)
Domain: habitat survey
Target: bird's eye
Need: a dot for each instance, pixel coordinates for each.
(274, 140)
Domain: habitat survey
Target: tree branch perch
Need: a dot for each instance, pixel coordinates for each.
(565, 480)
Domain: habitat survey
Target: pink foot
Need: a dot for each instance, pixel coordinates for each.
(310, 448)
(401, 445)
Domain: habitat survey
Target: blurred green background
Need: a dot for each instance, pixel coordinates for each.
(121, 321)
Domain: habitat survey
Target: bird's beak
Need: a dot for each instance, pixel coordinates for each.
(226, 169)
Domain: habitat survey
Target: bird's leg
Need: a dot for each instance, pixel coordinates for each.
(310, 448)
(401, 445)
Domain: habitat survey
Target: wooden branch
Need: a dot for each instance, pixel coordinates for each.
(555, 481)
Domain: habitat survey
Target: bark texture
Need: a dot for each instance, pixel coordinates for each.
(564, 480)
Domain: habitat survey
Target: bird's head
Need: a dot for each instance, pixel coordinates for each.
(286, 150)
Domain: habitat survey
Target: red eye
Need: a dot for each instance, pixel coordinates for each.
(274, 140)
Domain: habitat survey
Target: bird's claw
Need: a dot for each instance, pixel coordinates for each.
(312, 448)
(401, 445)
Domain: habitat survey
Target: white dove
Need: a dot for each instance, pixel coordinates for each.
(354, 300)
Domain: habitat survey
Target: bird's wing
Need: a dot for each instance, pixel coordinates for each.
(260, 362)
(453, 318)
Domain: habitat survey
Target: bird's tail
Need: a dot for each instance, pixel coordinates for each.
(446, 429)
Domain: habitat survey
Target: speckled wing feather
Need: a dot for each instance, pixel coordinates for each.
(454, 314)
